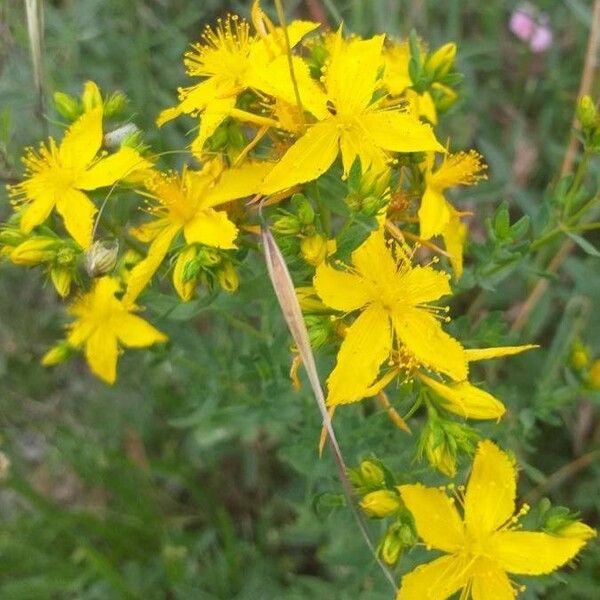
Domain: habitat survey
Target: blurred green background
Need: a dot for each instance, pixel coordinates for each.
(196, 475)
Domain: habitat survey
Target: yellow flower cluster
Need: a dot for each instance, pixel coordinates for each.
(284, 116)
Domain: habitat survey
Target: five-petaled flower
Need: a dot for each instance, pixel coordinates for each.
(59, 175)
(103, 322)
(483, 546)
(354, 124)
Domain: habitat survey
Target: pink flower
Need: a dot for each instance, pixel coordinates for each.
(541, 39)
(522, 24)
(531, 26)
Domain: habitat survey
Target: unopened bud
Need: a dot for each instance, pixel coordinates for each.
(91, 97)
(67, 106)
(304, 209)
(580, 356)
(57, 354)
(101, 257)
(586, 112)
(314, 249)
(594, 375)
(11, 237)
(228, 278)
(287, 225)
(381, 503)
(61, 279)
(391, 546)
(372, 474)
(208, 257)
(319, 330)
(372, 205)
(34, 251)
(183, 280)
(441, 62)
(444, 96)
(115, 104)
(575, 530)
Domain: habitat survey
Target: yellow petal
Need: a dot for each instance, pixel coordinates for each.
(455, 234)
(532, 553)
(352, 72)
(215, 112)
(466, 400)
(142, 273)
(37, 212)
(340, 290)
(423, 336)
(400, 132)
(274, 79)
(211, 227)
(77, 211)
(491, 490)
(308, 158)
(374, 261)
(436, 580)
(423, 284)
(82, 140)
(193, 99)
(474, 354)
(135, 332)
(437, 520)
(367, 344)
(112, 168)
(490, 582)
(238, 182)
(101, 354)
(355, 142)
(434, 213)
(91, 97)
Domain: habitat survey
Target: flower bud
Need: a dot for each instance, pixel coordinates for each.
(61, 279)
(11, 237)
(576, 530)
(442, 440)
(371, 474)
(304, 209)
(91, 97)
(580, 356)
(287, 225)
(441, 62)
(228, 277)
(208, 257)
(371, 205)
(34, 251)
(444, 96)
(381, 503)
(391, 546)
(319, 330)
(57, 354)
(314, 249)
(183, 280)
(586, 112)
(101, 257)
(115, 104)
(67, 106)
(594, 375)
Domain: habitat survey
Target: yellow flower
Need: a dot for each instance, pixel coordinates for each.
(392, 297)
(436, 215)
(104, 322)
(353, 124)
(187, 203)
(59, 175)
(233, 61)
(482, 547)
